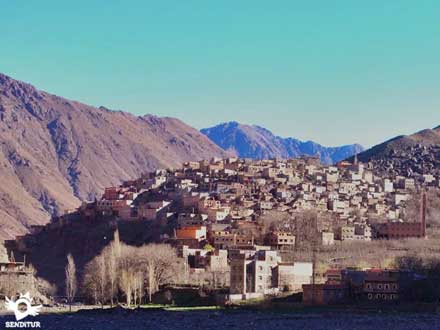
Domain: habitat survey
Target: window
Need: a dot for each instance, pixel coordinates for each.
(369, 286)
(386, 286)
(379, 286)
(370, 296)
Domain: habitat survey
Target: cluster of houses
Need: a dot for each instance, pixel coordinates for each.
(226, 197)
(218, 204)
(215, 209)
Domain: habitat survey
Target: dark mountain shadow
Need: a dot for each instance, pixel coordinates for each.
(47, 251)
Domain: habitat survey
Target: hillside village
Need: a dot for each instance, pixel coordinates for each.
(235, 222)
(231, 200)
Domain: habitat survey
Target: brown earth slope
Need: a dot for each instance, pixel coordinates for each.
(56, 152)
(407, 155)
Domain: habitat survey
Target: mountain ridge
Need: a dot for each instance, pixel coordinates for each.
(55, 152)
(407, 155)
(254, 141)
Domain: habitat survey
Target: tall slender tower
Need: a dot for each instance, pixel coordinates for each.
(423, 213)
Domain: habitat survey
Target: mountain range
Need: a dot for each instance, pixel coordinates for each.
(252, 141)
(55, 153)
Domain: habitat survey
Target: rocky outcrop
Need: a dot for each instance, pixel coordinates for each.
(409, 156)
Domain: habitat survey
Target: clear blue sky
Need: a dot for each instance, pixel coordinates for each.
(336, 72)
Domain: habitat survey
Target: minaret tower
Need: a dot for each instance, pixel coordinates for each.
(423, 213)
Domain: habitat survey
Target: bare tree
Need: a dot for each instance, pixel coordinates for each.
(307, 236)
(103, 279)
(306, 229)
(91, 282)
(113, 254)
(128, 266)
(138, 287)
(96, 282)
(412, 208)
(71, 282)
(158, 260)
(152, 285)
(133, 270)
(126, 284)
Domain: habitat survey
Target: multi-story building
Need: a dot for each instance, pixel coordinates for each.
(280, 240)
(347, 286)
(381, 285)
(191, 235)
(263, 272)
(226, 239)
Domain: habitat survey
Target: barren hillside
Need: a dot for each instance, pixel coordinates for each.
(56, 152)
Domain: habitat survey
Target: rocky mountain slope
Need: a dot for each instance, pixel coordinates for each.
(56, 152)
(251, 141)
(410, 156)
